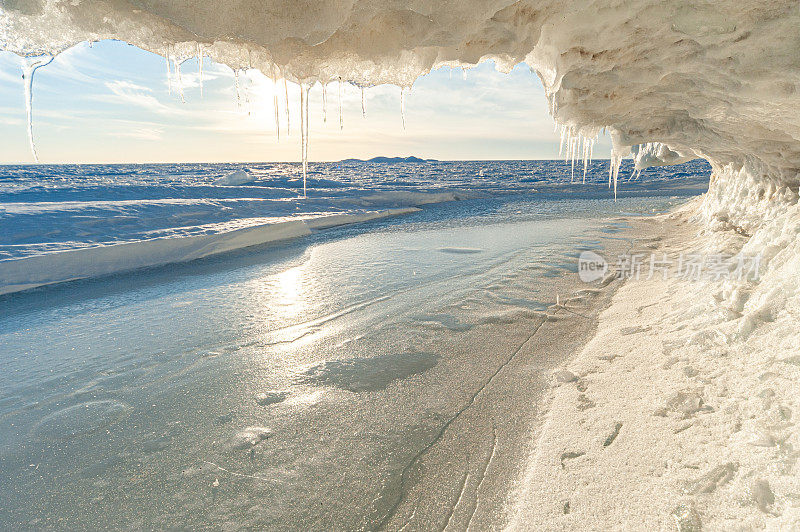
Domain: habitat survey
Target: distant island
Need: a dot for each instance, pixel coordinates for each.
(410, 159)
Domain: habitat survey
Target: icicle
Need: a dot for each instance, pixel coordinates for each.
(464, 73)
(169, 72)
(286, 94)
(304, 131)
(200, 65)
(561, 144)
(180, 80)
(324, 104)
(27, 74)
(363, 103)
(238, 91)
(586, 144)
(616, 162)
(572, 149)
(403, 106)
(341, 119)
(247, 94)
(275, 103)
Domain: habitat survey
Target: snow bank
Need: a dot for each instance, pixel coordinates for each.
(50, 268)
(683, 413)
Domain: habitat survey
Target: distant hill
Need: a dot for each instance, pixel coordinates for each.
(410, 159)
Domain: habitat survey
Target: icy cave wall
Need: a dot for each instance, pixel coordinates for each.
(716, 79)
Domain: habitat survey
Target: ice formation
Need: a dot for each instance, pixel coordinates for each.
(717, 82)
(28, 71)
(684, 79)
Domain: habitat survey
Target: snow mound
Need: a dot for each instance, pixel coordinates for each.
(239, 177)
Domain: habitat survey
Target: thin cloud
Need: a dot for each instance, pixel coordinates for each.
(143, 133)
(126, 92)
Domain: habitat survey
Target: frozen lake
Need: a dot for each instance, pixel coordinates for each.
(299, 385)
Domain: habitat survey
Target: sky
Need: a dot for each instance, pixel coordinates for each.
(111, 102)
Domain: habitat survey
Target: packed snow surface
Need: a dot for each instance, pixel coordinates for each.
(681, 413)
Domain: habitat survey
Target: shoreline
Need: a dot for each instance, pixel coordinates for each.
(492, 432)
(672, 420)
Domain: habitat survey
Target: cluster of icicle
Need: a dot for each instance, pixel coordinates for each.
(173, 72)
(574, 144)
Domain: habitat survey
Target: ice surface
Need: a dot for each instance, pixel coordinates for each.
(202, 341)
(68, 222)
(81, 419)
(369, 374)
(95, 261)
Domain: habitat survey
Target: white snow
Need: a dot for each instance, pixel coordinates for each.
(697, 384)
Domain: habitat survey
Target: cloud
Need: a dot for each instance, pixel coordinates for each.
(143, 133)
(129, 93)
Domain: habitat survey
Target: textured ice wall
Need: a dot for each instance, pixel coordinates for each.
(717, 80)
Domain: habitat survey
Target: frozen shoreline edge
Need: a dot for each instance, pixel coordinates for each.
(64, 266)
(673, 418)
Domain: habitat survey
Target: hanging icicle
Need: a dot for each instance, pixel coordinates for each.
(341, 118)
(248, 83)
(572, 149)
(180, 80)
(403, 106)
(324, 103)
(363, 103)
(613, 171)
(286, 94)
(27, 75)
(304, 131)
(275, 103)
(585, 154)
(238, 89)
(169, 71)
(200, 66)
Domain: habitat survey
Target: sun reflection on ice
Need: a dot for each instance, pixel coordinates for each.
(290, 284)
